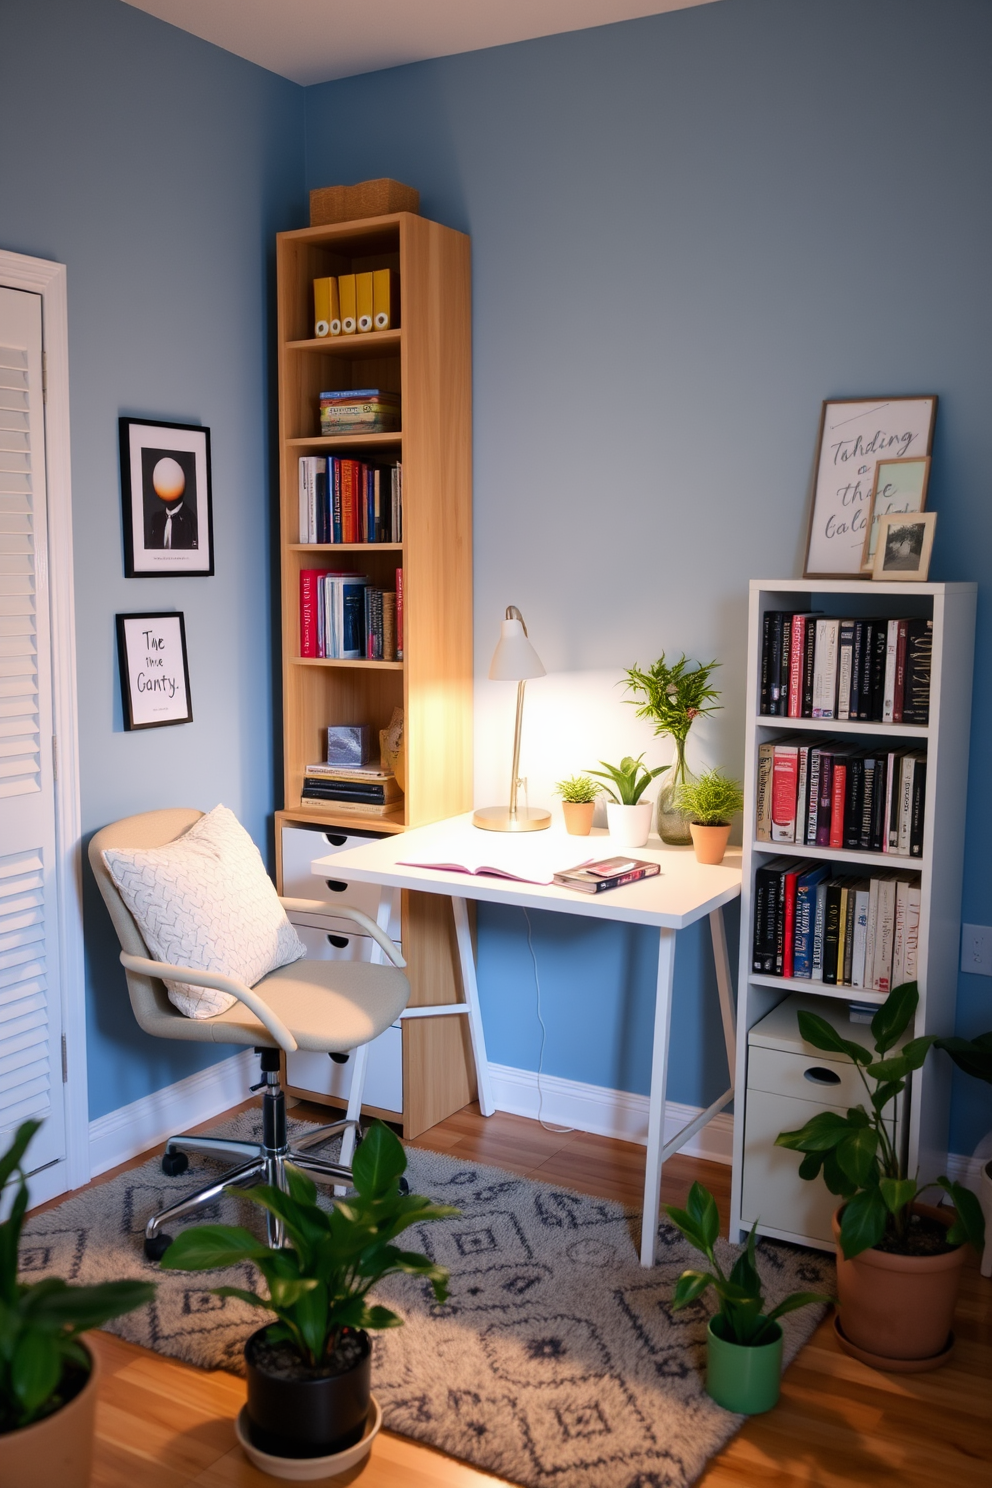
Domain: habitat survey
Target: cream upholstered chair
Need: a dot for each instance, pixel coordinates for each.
(331, 1007)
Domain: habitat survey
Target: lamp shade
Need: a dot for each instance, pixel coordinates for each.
(514, 659)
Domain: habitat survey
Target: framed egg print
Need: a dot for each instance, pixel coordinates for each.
(855, 434)
(166, 499)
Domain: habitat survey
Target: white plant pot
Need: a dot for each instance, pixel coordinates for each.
(629, 825)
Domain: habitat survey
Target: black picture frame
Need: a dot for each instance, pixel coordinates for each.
(154, 669)
(166, 535)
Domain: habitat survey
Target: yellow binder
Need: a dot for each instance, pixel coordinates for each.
(346, 299)
(335, 316)
(385, 299)
(322, 306)
(363, 302)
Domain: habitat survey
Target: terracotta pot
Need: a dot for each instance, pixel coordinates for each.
(897, 1307)
(578, 817)
(57, 1450)
(710, 842)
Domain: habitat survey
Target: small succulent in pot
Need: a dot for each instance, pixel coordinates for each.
(709, 803)
(578, 803)
(309, 1371)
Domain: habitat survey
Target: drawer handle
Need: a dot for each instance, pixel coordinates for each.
(340, 941)
(336, 886)
(817, 1075)
(335, 839)
(340, 1058)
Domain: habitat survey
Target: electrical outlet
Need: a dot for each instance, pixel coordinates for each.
(976, 949)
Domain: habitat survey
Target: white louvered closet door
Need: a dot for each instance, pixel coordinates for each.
(30, 1002)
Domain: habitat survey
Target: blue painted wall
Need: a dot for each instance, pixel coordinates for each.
(158, 169)
(687, 231)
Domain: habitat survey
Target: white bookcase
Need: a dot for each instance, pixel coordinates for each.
(946, 738)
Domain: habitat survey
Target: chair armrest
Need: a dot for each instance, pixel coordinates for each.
(345, 912)
(218, 983)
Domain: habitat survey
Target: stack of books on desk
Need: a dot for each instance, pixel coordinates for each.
(364, 788)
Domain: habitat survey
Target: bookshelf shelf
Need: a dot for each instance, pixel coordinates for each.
(428, 362)
(375, 343)
(841, 726)
(951, 607)
(342, 661)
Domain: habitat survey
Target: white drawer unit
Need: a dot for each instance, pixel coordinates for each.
(788, 1081)
(326, 1077)
(300, 845)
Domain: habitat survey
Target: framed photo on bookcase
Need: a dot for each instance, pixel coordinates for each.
(855, 434)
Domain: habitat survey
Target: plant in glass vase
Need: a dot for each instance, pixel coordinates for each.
(672, 695)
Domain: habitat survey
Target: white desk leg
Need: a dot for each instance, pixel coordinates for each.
(718, 934)
(656, 1107)
(470, 986)
(360, 1057)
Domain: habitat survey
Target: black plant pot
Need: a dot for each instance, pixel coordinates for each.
(307, 1415)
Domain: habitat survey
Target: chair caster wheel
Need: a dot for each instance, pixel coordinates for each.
(404, 1186)
(174, 1163)
(156, 1246)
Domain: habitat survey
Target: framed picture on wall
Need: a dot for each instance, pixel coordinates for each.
(151, 650)
(166, 499)
(855, 434)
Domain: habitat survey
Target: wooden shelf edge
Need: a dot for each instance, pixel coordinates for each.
(343, 441)
(365, 547)
(364, 342)
(321, 816)
(335, 661)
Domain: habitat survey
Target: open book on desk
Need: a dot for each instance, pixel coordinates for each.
(516, 868)
(590, 877)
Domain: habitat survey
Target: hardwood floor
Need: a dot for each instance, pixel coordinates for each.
(167, 1425)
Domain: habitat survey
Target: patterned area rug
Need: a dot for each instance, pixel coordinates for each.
(556, 1360)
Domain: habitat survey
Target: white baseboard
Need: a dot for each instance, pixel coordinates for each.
(123, 1133)
(608, 1113)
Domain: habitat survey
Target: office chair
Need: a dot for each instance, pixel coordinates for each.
(332, 1007)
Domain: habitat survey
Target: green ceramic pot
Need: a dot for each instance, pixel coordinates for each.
(742, 1378)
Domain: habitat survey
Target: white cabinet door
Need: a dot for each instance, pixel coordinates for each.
(30, 1003)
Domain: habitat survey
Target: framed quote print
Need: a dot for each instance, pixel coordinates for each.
(166, 499)
(855, 434)
(151, 650)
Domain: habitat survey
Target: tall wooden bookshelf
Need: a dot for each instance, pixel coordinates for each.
(951, 607)
(427, 360)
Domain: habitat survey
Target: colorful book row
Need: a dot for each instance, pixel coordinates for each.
(815, 666)
(842, 931)
(351, 304)
(359, 411)
(345, 617)
(836, 795)
(347, 501)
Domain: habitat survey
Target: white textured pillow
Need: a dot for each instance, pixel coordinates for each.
(206, 901)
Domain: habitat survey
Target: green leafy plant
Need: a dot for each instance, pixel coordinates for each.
(743, 1318)
(673, 695)
(40, 1323)
(711, 800)
(318, 1283)
(858, 1153)
(627, 781)
(974, 1056)
(578, 789)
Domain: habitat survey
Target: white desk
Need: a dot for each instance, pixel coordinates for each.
(680, 895)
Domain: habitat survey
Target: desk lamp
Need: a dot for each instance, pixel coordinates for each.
(514, 660)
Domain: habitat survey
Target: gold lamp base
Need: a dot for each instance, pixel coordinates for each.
(502, 819)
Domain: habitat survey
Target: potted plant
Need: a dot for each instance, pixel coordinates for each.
(48, 1376)
(898, 1261)
(974, 1057)
(673, 697)
(629, 817)
(309, 1373)
(578, 802)
(710, 804)
(743, 1339)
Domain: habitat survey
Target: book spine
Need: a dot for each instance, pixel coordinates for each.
(831, 934)
(802, 791)
(867, 800)
(775, 664)
(809, 662)
(838, 796)
(349, 506)
(826, 798)
(619, 879)
(779, 931)
(785, 665)
(884, 928)
(919, 658)
(763, 794)
(309, 582)
(849, 929)
(802, 960)
(899, 934)
(889, 691)
(765, 672)
(879, 820)
(870, 930)
(879, 648)
(857, 666)
(825, 669)
(785, 767)
(789, 927)
(906, 771)
(845, 896)
(867, 659)
(389, 626)
(334, 482)
(399, 614)
(899, 690)
(855, 797)
(796, 656)
(860, 938)
(819, 925)
(813, 810)
(919, 809)
(759, 957)
(912, 931)
(304, 513)
(845, 658)
(891, 840)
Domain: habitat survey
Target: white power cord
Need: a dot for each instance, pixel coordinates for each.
(558, 1131)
